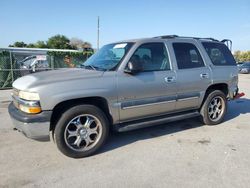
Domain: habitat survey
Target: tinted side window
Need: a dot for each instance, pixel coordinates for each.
(187, 56)
(219, 54)
(153, 56)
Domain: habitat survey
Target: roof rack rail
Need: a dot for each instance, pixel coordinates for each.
(167, 36)
(207, 38)
(176, 36)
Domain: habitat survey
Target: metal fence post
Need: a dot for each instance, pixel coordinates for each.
(11, 68)
(52, 62)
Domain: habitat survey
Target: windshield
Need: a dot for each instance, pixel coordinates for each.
(108, 57)
(28, 62)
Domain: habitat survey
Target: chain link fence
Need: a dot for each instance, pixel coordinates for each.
(20, 63)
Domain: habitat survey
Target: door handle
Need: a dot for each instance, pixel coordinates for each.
(233, 75)
(204, 75)
(170, 79)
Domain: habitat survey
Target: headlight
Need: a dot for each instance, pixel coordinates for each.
(28, 102)
(29, 96)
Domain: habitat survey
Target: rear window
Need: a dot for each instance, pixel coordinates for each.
(219, 54)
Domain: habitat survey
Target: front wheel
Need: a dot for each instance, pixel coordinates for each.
(81, 131)
(214, 108)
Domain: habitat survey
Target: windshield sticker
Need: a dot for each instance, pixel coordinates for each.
(41, 57)
(123, 45)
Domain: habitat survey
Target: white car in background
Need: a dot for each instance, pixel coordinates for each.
(34, 63)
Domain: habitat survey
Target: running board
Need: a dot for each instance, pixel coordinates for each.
(128, 126)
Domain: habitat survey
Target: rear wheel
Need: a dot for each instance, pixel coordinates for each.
(214, 108)
(81, 131)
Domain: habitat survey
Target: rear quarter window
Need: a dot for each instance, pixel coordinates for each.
(219, 54)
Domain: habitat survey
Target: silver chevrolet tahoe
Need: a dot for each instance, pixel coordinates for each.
(124, 86)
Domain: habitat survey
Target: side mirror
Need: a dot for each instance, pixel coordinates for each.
(133, 67)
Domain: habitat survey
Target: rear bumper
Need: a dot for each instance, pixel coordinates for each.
(233, 92)
(35, 126)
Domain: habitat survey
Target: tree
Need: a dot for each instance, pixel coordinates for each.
(56, 42)
(41, 44)
(237, 55)
(19, 44)
(86, 45)
(31, 45)
(59, 42)
(241, 56)
(76, 43)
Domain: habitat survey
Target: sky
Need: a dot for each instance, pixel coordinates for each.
(33, 20)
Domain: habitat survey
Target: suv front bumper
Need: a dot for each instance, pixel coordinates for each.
(35, 126)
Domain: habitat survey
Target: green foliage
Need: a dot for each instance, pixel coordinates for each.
(19, 44)
(4, 53)
(59, 42)
(68, 59)
(6, 75)
(241, 56)
(31, 45)
(41, 44)
(71, 54)
(56, 42)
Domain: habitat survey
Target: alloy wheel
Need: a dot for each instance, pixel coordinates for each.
(83, 132)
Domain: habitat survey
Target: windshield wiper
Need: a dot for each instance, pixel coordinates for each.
(94, 67)
(89, 66)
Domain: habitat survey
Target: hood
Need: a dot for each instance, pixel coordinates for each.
(47, 77)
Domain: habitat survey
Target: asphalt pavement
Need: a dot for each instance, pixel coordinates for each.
(178, 154)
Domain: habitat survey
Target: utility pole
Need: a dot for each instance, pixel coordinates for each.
(98, 32)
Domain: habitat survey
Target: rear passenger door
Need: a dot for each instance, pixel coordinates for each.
(193, 76)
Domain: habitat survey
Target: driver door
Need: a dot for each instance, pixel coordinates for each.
(151, 92)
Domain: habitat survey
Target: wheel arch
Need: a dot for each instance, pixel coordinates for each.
(218, 86)
(61, 107)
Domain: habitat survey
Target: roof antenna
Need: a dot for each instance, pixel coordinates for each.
(98, 32)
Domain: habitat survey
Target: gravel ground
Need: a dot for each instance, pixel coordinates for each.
(179, 154)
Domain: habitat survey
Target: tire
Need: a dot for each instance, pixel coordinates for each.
(81, 131)
(211, 111)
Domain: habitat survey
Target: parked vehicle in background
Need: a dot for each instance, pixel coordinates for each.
(125, 86)
(239, 64)
(35, 63)
(244, 68)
